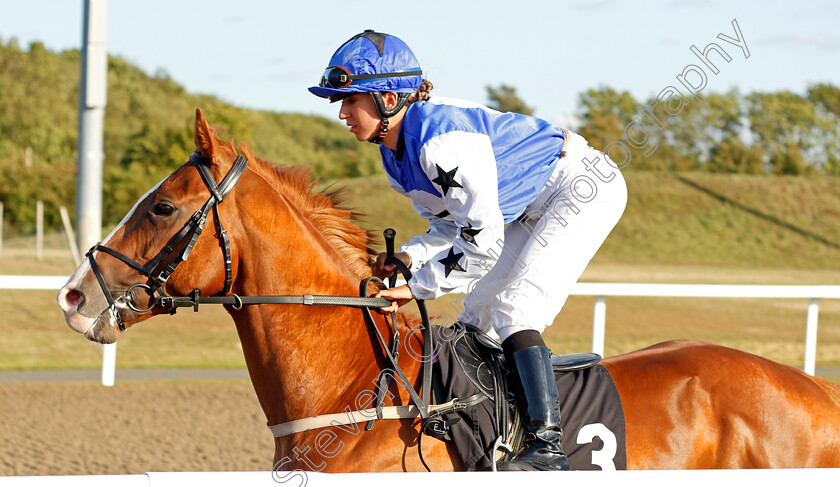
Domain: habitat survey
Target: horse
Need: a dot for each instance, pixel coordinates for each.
(687, 404)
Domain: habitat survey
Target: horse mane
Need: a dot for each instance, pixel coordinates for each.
(324, 209)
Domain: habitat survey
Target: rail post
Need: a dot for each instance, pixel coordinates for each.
(811, 337)
(599, 323)
(93, 97)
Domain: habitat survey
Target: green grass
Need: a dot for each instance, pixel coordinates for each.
(719, 220)
(751, 230)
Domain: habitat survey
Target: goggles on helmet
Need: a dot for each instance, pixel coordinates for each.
(338, 77)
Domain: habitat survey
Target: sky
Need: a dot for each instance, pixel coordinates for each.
(263, 54)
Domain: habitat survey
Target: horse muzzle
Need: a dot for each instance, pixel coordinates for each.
(101, 327)
(87, 311)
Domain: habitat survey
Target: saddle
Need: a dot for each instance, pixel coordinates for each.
(483, 422)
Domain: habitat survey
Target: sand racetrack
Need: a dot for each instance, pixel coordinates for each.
(132, 428)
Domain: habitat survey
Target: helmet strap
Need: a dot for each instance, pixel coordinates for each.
(383, 131)
(386, 113)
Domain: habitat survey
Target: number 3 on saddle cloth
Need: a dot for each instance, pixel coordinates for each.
(468, 365)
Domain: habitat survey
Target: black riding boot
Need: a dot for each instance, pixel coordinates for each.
(539, 399)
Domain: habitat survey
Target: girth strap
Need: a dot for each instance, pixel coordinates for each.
(355, 417)
(345, 418)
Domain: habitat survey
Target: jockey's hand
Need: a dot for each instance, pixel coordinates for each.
(381, 270)
(398, 296)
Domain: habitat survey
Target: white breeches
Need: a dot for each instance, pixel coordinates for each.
(547, 249)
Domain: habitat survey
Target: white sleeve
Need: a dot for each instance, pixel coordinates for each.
(423, 247)
(462, 167)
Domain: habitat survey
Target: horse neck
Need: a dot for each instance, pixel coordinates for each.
(303, 360)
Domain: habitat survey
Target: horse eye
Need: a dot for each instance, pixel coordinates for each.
(162, 209)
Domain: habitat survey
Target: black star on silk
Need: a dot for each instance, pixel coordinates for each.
(446, 180)
(469, 233)
(450, 262)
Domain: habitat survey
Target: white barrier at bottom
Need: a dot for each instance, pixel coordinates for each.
(683, 478)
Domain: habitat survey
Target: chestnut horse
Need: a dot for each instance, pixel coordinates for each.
(687, 404)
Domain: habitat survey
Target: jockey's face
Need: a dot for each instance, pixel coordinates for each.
(359, 113)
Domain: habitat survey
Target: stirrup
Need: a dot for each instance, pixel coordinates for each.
(499, 443)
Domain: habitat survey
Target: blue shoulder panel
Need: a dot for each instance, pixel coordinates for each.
(526, 148)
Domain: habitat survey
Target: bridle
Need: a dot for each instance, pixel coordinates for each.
(160, 268)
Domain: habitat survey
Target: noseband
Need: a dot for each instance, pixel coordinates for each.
(155, 270)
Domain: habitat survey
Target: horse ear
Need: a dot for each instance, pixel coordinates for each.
(205, 143)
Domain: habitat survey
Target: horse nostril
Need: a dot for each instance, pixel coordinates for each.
(75, 298)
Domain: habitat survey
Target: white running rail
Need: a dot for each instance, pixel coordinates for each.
(813, 293)
(598, 289)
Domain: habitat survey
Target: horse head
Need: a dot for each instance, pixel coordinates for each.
(116, 284)
(295, 239)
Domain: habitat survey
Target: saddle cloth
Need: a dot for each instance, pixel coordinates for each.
(591, 413)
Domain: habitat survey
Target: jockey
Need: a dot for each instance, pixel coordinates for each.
(517, 207)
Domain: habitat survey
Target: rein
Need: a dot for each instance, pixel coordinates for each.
(193, 300)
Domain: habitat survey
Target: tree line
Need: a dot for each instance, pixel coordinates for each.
(149, 132)
(754, 133)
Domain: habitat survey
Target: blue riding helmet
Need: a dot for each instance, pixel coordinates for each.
(370, 62)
